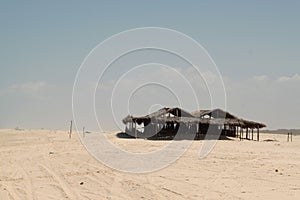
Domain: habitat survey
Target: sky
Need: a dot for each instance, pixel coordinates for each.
(255, 45)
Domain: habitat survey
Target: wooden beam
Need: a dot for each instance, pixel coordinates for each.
(135, 133)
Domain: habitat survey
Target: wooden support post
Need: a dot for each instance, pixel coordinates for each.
(288, 137)
(135, 133)
(70, 132)
(236, 131)
(240, 133)
(257, 133)
(251, 133)
(247, 133)
(83, 132)
(291, 137)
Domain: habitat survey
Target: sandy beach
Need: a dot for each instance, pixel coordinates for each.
(44, 164)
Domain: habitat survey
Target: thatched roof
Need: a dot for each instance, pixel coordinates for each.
(215, 113)
(219, 117)
(174, 111)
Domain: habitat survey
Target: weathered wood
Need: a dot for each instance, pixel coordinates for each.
(135, 132)
(235, 131)
(70, 132)
(240, 133)
(191, 123)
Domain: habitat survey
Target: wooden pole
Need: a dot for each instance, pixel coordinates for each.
(70, 132)
(258, 134)
(252, 133)
(291, 137)
(240, 133)
(234, 129)
(288, 137)
(83, 132)
(135, 133)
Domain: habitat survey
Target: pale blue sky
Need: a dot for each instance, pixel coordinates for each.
(44, 43)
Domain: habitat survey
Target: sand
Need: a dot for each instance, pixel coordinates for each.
(44, 164)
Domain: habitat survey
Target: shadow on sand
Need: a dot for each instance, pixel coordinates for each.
(124, 135)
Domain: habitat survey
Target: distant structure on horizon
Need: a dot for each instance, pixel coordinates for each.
(166, 122)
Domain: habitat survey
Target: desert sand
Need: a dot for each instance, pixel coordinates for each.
(44, 164)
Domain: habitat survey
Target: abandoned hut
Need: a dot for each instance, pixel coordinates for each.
(167, 122)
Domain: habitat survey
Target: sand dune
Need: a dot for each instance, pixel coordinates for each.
(43, 164)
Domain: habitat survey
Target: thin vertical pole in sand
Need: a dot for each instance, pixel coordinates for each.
(83, 132)
(70, 132)
(257, 133)
(251, 133)
(288, 137)
(291, 137)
